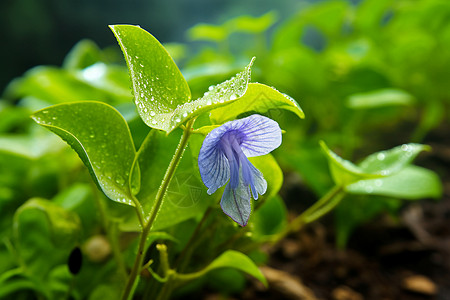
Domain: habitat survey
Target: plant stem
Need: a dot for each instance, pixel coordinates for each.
(317, 210)
(132, 279)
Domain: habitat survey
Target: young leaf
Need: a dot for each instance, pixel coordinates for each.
(259, 98)
(158, 86)
(100, 136)
(161, 93)
(380, 98)
(231, 259)
(410, 183)
(343, 171)
(391, 161)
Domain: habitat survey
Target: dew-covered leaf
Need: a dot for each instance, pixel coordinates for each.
(391, 161)
(411, 183)
(343, 171)
(258, 98)
(380, 98)
(160, 91)
(101, 137)
(157, 83)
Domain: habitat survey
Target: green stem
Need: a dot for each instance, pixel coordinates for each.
(317, 210)
(132, 279)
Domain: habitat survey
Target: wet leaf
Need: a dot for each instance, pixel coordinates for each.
(100, 136)
(343, 171)
(391, 161)
(410, 183)
(258, 98)
(161, 93)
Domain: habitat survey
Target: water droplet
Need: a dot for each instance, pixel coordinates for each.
(405, 147)
(45, 112)
(208, 102)
(154, 122)
(185, 115)
(120, 180)
(92, 136)
(152, 113)
(378, 182)
(145, 109)
(369, 189)
(142, 95)
(381, 156)
(233, 97)
(54, 118)
(177, 120)
(211, 87)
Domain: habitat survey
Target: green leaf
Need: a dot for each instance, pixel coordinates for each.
(236, 260)
(259, 98)
(40, 226)
(410, 183)
(391, 161)
(208, 32)
(252, 24)
(157, 83)
(100, 136)
(82, 55)
(380, 98)
(343, 171)
(160, 91)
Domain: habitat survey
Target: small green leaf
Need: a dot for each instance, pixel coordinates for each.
(102, 139)
(343, 171)
(252, 24)
(236, 260)
(391, 161)
(64, 225)
(410, 183)
(259, 98)
(208, 32)
(380, 98)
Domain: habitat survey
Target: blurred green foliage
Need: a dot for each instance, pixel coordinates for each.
(369, 77)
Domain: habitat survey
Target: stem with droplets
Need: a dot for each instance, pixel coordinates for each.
(132, 279)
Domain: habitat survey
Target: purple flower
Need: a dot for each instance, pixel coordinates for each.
(223, 158)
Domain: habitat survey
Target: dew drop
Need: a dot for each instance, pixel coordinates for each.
(152, 113)
(120, 180)
(185, 115)
(208, 102)
(45, 112)
(92, 136)
(154, 122)
(142, 95)
(405, 147)
(378, 182)
(233, 97)
(369, 189)
(381, 156)
(211, 87)
(177, 120)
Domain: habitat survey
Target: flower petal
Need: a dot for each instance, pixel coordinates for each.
(253, 177)
(236, 203)
(259, 135)
(213, 166)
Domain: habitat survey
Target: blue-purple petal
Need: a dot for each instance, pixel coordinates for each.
(236, 203)
(214, 168)
(259, 135)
